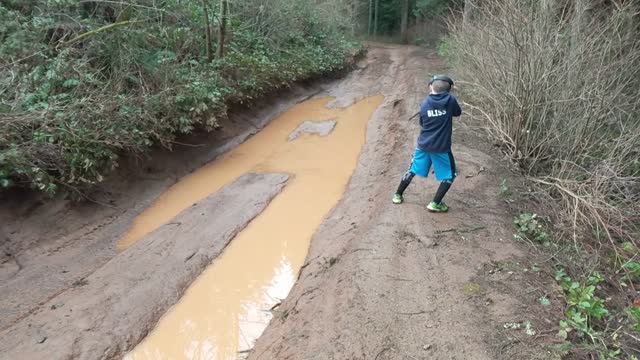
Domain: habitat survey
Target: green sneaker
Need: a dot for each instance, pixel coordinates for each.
(397, 199)
(440, 208)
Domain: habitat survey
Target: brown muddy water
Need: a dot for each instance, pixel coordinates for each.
(227, 308)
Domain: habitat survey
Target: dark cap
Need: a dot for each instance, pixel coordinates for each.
(444, 78)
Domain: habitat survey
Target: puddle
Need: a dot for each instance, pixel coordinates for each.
(226, 309)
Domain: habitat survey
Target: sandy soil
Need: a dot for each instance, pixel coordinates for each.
(380, 282)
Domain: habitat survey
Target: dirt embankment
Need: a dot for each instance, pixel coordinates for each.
(380, 281)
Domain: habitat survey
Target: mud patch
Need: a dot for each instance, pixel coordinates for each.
(151, 277)
(227, 308)
(529, 333)
(269, 150)
(322, 128)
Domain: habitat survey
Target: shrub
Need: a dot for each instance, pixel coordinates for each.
(557, 84)
(584, 308)
(529, 226)
(106, 79)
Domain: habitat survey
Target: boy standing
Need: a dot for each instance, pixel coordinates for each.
(434, 142)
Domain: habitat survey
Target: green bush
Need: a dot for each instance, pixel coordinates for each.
(444, 48)
(530, 227)
(430, 9)
(634, 316)
(583, 306)
(70, 109)
(632, 269)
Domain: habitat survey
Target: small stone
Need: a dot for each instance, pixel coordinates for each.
(427, 347)
(191, 255)
(40, 338)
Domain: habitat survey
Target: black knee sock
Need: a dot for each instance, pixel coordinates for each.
(406, 180)
(442, 191)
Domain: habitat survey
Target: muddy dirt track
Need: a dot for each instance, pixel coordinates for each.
(381, 281)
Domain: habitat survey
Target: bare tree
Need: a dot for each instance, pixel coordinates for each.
(223, 27)
(370, 19)
(404, 22)
(205, 9)
(579, 24)
(375, 18)
(470, 8)
(537, 77)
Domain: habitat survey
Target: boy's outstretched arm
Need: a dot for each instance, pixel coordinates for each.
(455, 108)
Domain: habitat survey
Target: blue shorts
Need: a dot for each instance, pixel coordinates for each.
(443, 164)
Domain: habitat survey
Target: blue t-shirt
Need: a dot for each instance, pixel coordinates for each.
(436, 122)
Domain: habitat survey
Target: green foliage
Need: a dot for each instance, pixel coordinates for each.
(503, 188)
(430, 9)
(69, 112)
(444, 48)
(529, 226)
(544, 301)
(629, 247)
(583, 306)
(389, 17)
(632, 269)
(634, 316)
(610, 354)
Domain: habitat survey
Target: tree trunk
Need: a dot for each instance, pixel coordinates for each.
(223, 27)
(375, 18)
(207, 31)
(404, 22)
(353, 16)
(370, 24)
(470, 8)
(579, 24)
(546, 6)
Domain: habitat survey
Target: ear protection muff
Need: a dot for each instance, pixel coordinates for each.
(442, 78)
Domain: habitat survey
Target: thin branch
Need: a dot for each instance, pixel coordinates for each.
(122, 3)
(101, 29)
